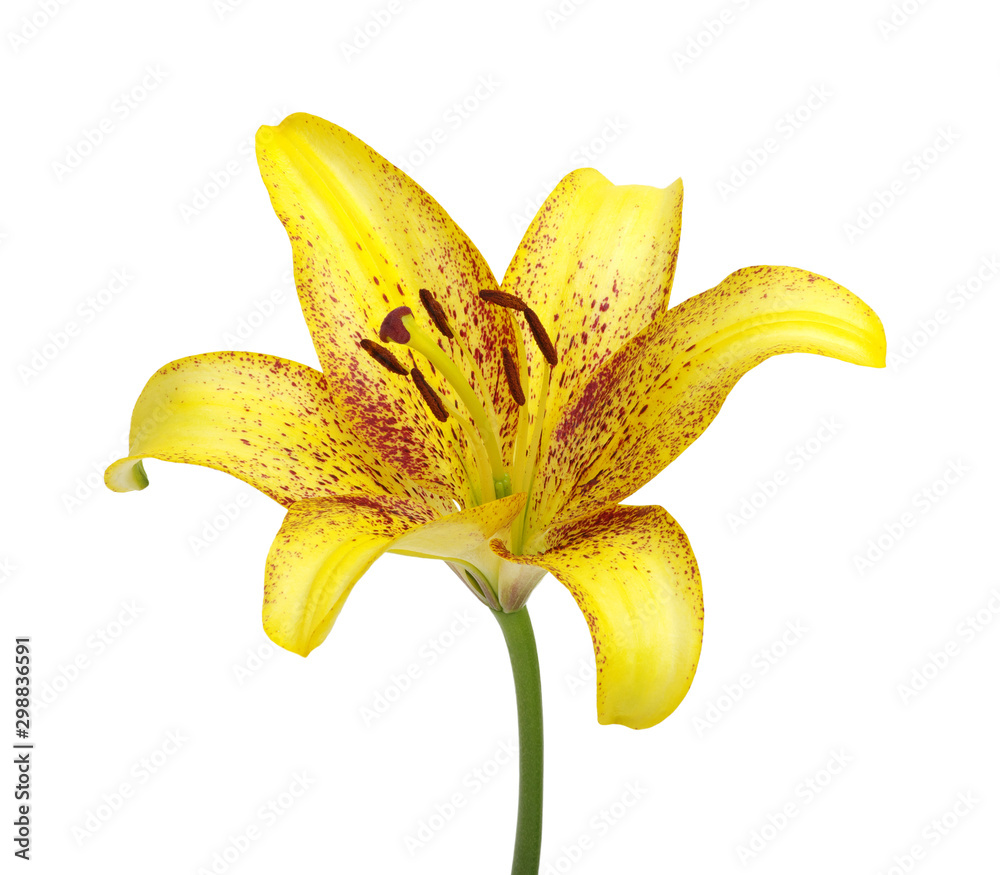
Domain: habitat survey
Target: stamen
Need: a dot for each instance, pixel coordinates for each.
(383, 357)
(486, 483)
(541, 337)
(440, 319)
(430, 396)
(531, 461)
(524, 465)
(523, 419)
(513, 377)
(436, 312)
(503, 299)
(400, 326)
(420, 341)
(393, 328)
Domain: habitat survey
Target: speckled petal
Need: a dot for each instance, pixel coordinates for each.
(269, 421)
(634, 577)
(365, 239)
(661, 390)
(325, 545)
(596, 264)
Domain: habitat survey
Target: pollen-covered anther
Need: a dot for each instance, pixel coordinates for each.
(541, 337)
(513, 377)
(503, 299)
(431, 397)
(436, 312)
(393, 328)
(383, 357)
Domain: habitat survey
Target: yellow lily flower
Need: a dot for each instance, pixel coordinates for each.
(496, 426)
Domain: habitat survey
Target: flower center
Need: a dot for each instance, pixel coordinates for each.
(479, 421)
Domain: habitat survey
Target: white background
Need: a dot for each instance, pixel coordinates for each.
(644, 92)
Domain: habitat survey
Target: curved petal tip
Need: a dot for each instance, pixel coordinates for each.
(126, 475)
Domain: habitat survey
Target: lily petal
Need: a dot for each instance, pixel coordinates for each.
(268, 421)
(325, 545)
(596, 264)
(365, 239)
(633, 575)
(661, 390)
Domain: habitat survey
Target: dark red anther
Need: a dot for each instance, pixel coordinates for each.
(393, 328)
(513, 377)
(541, 337)
(383, 357)
(503, 299)
(436, 312)
(429, 395)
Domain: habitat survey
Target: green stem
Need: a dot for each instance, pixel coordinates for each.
(520, 638)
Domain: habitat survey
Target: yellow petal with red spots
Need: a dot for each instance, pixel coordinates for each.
(633, 575)
(269, 421)
(596, 265)
(365, 239)
(660, 391)
(325, 545)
